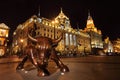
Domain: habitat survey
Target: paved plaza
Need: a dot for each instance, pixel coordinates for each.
(81, 68)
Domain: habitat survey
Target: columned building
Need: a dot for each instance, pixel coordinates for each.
(4, 31)
(95, 35)
(60, 25)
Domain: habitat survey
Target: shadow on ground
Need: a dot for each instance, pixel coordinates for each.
(30, 73)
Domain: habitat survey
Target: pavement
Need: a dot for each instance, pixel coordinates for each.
(10, 59)
(82, 68)
(28, 73)
(32, 75)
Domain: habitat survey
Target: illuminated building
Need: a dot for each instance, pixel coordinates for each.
(4, 31)
(84, 40)
(95, 34)
(74, 41)
(108, 46)
(116, 46)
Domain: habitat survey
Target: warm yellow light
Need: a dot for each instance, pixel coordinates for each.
(56, 21)
(14, 33)
(53, 22)
(21, 40)
(46, 23)
(95, 29)
(89, 22)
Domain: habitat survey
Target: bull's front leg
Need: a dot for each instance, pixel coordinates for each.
(54, 57)
(30, 56)
(39, 62)
(42, 64)
(21, 64)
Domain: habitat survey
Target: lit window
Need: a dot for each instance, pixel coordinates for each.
(2, 32)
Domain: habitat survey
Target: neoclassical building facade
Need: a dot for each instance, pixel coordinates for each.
(74, 40)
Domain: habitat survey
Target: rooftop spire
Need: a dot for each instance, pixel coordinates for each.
(61, 11)
(39, 11)
(89, 14)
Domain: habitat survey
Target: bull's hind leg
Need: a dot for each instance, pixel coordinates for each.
(55, 58)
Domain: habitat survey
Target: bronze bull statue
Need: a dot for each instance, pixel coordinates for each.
(40, 53)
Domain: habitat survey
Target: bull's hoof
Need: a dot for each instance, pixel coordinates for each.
(42, 74)
(19, 67)
(64, 69)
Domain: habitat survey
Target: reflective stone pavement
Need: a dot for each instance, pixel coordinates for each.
(32, 75)
(82, 68)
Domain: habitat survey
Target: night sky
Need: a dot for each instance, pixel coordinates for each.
(105, 13)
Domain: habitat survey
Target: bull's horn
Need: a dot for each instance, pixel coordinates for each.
(58, 40)
(31, 38)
